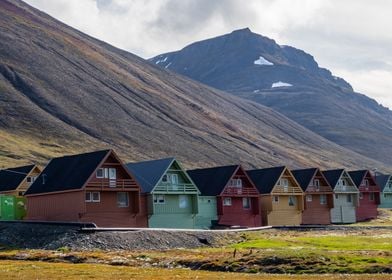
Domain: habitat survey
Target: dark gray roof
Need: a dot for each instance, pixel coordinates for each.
(265, 179)
(148, 173)
(212, 181)
(357, 176)
(11, 178)
(304, 176)
(67, 173)
(382, 180)
(333, 176)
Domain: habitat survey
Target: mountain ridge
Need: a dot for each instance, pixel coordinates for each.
(65, 92)
(247, 65)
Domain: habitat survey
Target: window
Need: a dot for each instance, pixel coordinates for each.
(316, 183)
(122, 199)
(360, 195)
(29, 179)
(227, 201)
(93, 197)
(100, 173)
(309, 198)
(174, 179)
(183, 201)
(112, 173)
(164, 178)
(236, 183)
(371, 196)
(323, 199)
(292, 200)
(349, 198)
(246, 202)
(275, 199)
(159, 199)
(336, 196)
(366, 182)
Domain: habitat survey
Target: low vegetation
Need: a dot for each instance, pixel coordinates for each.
(331, 253)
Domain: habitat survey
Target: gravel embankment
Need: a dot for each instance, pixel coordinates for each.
(52, 237)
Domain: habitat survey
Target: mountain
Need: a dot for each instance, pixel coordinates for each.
(64, 92)
(291, 82)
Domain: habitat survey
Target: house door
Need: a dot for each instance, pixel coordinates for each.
(112, 177)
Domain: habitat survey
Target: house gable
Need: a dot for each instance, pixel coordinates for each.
(345, 184)
(286, 184)
(239, 184)
(12, 179)
(175, 180)
(364, 181)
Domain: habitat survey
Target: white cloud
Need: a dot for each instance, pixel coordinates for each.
(348, 37)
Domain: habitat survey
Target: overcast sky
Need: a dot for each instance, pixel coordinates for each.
(352, 38)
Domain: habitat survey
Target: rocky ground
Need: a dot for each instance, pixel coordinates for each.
(52, 237)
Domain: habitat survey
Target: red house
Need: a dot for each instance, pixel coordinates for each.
(237, 198)
(369, 194)
(92, 187)
(318, 196)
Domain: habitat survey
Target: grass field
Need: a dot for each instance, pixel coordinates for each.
(343, 254)
(44, 270)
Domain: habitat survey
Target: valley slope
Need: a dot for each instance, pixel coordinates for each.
(64, 92)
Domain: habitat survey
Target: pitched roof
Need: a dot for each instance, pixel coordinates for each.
(357, 176)
(148, 173)
(265, 179)
(212, 181)
(304, 176)
(67, 172)
(11, 178)
(333, 176)
(382, 180)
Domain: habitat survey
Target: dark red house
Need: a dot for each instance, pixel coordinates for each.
(237, 198)
(369, 194)
(318, 196)
(92, 187)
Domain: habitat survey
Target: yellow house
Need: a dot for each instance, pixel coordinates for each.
(16, 181)
(282, 199)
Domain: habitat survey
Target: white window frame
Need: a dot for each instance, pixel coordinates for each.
(323, 199)
(275, 199)
(91, 199)
(309, 198)
(360, 195)
(159, 199)
(183, 198)
(239, 183)
(88, 194)
(349, 198)
(112, 173)
(246, 201)
(227, 201)
(127, 200)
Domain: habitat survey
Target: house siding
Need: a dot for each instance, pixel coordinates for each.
(56, 207)
(237, 215)
(386, 195)
(343, 211)
(285, 215)
(316, 213)
(367, 208)
(207, 212)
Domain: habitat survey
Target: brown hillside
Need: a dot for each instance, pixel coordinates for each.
(64, 92)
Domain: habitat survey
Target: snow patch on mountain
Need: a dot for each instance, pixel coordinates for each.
(161, 60)
(281, 84)
(262, 61)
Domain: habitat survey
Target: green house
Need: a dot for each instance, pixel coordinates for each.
(170, 196)
(12, 207)
(385, 184)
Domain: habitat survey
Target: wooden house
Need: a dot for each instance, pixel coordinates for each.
(228, 197)
(369, 194)
(385, 184)
(15, 181)
(170, 194)
(281, 196)
(318, 196)
(92, 187)
(346, 195)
